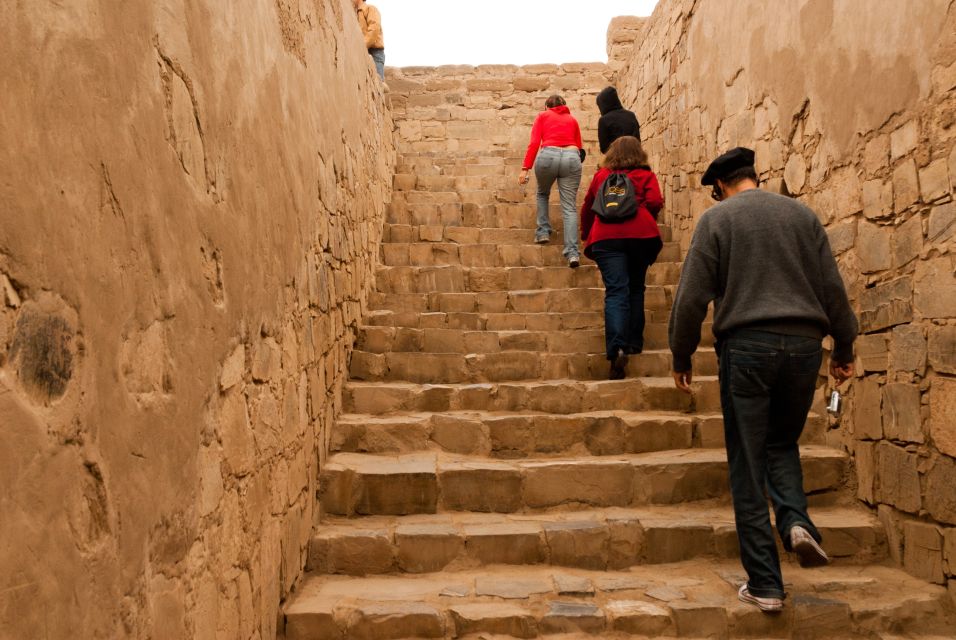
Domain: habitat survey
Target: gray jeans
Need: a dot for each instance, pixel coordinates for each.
(378, 57)
(563, 165)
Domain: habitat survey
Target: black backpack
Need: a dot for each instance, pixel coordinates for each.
(615, 200)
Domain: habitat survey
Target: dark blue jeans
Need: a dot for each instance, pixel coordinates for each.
(623, 264)
(766, 389)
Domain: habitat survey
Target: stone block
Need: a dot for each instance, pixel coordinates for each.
(942, 223)
(949, 550)
(505, 543)
(573, 617)
(842, 236)
(815, 617)
(495, 618)
(935, 288)
(907, 241)
(480, 486)
(532, 83)
(867, 416)
(598, 483)
(942, 348)
(511, 587)
(942, 414)
(873, 247)
(886, 305)
(877, 199)
(351, 552)
(898, 478)
(699, 620)
(940, 498)
(904, 139)
(873, 352)
(908, 349)
(901, 413)
(233, 368)
(934, 181)
(866, 465)
(876, 154)
(625, 541)
(577, 544)
(427, 548)
(639, 618)
(394, 620)
(923, 551)
(905, 186)
(795, 174)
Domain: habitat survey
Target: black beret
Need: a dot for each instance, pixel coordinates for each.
(727, 163)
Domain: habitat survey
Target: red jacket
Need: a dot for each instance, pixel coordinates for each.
(555, 127)
(643, 225)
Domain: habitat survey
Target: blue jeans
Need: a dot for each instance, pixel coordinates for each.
(766, 389)
(378, 57)
(623, 264)
(563, 165)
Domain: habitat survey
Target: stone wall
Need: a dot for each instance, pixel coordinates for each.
(191, 200)
(850, 106)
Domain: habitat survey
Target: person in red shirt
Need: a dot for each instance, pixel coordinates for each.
(556, 143)
(623, 250)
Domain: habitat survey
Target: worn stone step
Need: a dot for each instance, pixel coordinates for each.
(404, 330)
(461, 279)
(430, 482)
(614, 538)
(693, 599)
(476, 235)
(552, 396)
(426, 254)
(657, 301)
(430, 367)
(412, 182)
(391, 339)
(526, 434)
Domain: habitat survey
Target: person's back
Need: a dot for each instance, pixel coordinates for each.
(615, 121)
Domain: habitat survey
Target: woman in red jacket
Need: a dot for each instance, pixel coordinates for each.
(557, 134)
(623, 250)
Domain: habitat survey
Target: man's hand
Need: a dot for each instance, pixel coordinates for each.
(683, 380)
(523, 177)
(841, 372)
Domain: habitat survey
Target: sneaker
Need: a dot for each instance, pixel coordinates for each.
(767, 605)
(808, 551)
(574, 262)
(542, 239)
(618, 366)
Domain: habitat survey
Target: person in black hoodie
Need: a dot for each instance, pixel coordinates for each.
(616, 121)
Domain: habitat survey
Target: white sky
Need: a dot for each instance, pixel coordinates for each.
(433, 32)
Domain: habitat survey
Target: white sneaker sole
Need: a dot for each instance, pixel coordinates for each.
(760, 603)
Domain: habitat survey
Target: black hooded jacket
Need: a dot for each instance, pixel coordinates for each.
(616, 121)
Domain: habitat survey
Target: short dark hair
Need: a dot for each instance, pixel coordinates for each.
(626, 153)
(739, 175)
(555, 101)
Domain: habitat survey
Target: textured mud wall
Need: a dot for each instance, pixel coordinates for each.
(191, 199)
(850, 106)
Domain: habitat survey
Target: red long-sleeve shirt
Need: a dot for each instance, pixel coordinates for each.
(555, 127)
(643, 225)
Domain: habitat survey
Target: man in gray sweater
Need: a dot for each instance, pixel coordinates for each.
(765, 262)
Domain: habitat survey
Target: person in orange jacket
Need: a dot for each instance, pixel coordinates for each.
(370, 20)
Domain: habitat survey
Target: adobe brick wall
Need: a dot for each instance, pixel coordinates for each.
(191, 200)
(857, 118)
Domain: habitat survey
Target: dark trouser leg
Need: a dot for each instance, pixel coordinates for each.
(613, 266)
(637, 274)
(747, 375)
(789, 406)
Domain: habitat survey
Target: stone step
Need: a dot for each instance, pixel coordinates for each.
(391, 339)
(401, 328)
(431, 482)
(552, 396)
(429, 367)
(599, 539)
(425, 254)
(475, 235)
(525, 434)
(407, 183)
(694, 599)
(657, 300)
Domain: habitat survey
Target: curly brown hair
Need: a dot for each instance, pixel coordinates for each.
(626, 153)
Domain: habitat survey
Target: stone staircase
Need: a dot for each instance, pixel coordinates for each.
(486, 480)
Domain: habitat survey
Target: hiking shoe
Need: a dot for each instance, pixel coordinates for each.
(542, 239)
(808, 551)
(574, 262)
(767, 605)
(618, 366)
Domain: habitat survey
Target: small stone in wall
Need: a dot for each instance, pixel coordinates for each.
(923, 551)
(842, 236)
(873, 352)
(904, 139)
(898, 478)
(942, 222)
(934, 181)
(873, 247)
(935, 288)
(940, 497)
(908, 349)
(901, 413)
(949, 551)
(886, 305)
(905, 186)
(877, 199)
(44, 349)
(907, 241)
(795, 174)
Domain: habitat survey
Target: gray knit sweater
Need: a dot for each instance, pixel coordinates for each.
(765, 261)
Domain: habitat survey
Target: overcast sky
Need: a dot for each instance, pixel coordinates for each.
(433, 32)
